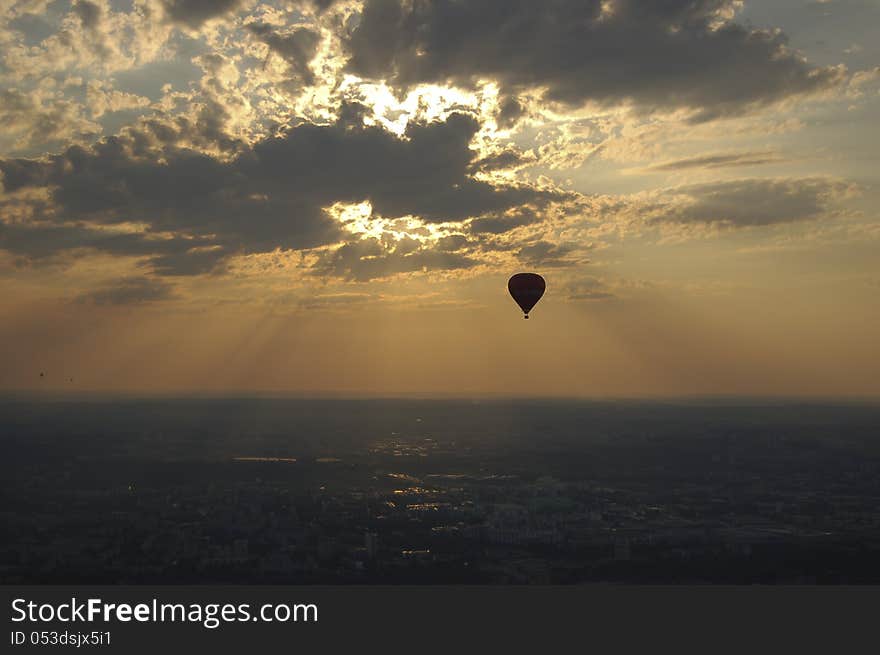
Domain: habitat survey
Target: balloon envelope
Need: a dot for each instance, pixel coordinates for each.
(526, 289)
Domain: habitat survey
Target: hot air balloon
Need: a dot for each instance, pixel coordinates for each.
(526, 289)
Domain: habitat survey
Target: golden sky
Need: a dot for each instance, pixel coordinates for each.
(319, 196)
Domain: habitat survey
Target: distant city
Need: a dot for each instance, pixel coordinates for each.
(283, 491)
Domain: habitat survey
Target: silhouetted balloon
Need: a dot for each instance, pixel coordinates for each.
(526, 289)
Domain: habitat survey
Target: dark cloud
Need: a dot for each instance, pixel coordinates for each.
(130, 291)
(452, 243)
(193, 261)
(193, 13)
(752, 202)
(21, 173)
(546, 254)
(727, 160)
(509, 158)
(367, 259)
(318, 5)
(402, 246)
(297, 48)
(274, 194)
(505, 222)
(509, 112)
(425, 174)
(674, 53)
(89, 13)
(167, 255)
(322, 5)
(205, 129)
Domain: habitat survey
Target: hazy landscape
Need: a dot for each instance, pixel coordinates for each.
(275, 490)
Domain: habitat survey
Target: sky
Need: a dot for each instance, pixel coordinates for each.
(328, 196)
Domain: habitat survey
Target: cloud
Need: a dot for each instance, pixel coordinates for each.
(31, 121)
(130, 291)
(719, 160)
(168, 255)
(297, 47)
(86, 39)
(89, 13)
(546, 254)
(452, 243)
(192, 261)
(194, 13)
(271, 195)
(498, 224)
(103, 99)
(507, 159)
(755, 202)
(367, 260)
(672, 54)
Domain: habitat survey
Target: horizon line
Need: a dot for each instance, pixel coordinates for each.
(103, 394)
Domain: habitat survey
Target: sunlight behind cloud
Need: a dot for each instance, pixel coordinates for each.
(281, 158)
